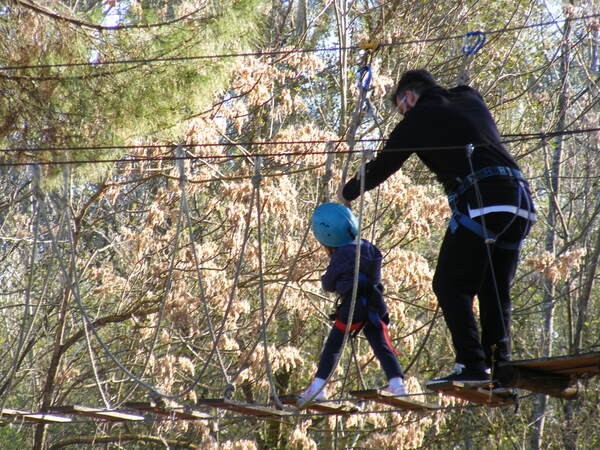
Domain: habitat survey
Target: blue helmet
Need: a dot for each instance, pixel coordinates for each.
(334, 224)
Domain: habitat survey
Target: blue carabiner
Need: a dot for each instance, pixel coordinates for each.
(474, 47)
(364, 76)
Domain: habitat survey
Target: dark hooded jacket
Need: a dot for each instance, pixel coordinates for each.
(339, 278)
(437, 129)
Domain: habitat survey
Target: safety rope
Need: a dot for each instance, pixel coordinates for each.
(72, 284)
(28, 321)
(230, 388)
(261, 285)
(203, 300)
(250, 350)
(364, 75)
(71, 280)
(489, 242)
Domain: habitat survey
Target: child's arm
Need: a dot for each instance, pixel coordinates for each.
(341, 264)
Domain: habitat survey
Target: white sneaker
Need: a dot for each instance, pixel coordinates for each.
(396, 386)
(317, 391)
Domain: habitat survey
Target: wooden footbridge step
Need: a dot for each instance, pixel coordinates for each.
(244, 408)
(171, 411)
(98, 413)
(556, 376)
(11, 415)
(386, 398)
(475, 392)
(321, 406)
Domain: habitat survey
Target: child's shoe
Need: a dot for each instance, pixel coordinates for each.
(316, 391)
(396, 386)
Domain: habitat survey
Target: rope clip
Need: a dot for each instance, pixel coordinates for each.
(473, 42)
(364, 76)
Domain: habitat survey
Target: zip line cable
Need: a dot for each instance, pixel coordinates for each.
(286, 52)
(222, 157)
(511, 139)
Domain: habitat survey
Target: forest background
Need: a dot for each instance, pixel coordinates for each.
(160, 161)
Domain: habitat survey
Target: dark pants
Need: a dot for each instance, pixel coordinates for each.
(467, 267)
(375, 336)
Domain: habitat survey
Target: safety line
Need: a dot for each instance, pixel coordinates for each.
(511, 138)
(286, 52)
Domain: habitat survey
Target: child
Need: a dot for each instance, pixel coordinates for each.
(336, 227)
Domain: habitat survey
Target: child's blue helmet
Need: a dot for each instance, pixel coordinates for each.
(334, 224)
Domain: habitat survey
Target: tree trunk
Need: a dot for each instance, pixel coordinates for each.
(553, 181)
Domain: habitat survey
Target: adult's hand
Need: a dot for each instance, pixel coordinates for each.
(340, 197)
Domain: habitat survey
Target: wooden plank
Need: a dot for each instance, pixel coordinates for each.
(244, 408)
(479, 393)
(33, 417)
(579, 365)
(555, 376)
(173, 411)
(554, 384)
(325, 407)
(382, 396)
(98, 413)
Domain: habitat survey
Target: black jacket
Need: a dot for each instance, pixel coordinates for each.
(437, 129)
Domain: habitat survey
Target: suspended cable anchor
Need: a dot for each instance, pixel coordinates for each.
(369, 45)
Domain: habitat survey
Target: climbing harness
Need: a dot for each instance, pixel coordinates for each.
(466, 220)
(366, 293)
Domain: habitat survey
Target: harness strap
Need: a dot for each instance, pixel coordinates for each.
(386, 336)
(356, 327)
(342, 326)
(524, 213)
(487, 172)
(459, 218)
(373, 316)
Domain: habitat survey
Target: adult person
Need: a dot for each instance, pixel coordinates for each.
(453, 133)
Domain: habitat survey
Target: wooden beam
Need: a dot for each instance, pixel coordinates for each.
(555, 376)
(402, 402)
(586, 364)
